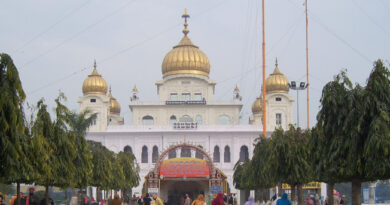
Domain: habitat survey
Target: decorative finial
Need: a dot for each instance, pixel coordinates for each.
(109, 90)
(276, 63)
(94, 64)
(185, 16)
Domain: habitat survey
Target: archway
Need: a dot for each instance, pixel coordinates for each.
(171, 177)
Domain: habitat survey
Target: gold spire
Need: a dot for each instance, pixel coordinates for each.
(277, 82)
(236, 89)
(94, 83)
(185, 16)
(135, 89)
(185, 58)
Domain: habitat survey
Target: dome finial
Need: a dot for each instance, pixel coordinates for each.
(276, 62)
(109, 90)
(185, 16)
(94, 63)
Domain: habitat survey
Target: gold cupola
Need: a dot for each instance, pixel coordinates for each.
(277, 82)
(115, 107)
(185, 58)
(257, 106)
(94, 83)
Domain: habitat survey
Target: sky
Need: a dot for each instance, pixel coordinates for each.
(54, 44)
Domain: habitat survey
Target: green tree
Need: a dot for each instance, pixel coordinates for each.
(14, 142)
(130, 172)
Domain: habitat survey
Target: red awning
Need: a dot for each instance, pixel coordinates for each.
(184, 167)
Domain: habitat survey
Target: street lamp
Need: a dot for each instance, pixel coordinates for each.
(302, 86)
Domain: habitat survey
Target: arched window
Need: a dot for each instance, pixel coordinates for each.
(144, 155)
(155, 154)
(186, 118)
(198, 154)
(224, 120)
(147, 120)
(185, 152)
(128, 149)
(226, 154)
(244, 154)
(172, 154)
(216, 154)
(199, 119)
(172, 120)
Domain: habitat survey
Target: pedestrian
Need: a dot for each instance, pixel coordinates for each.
(309, 201)
(2, 200)
(32, 198)
(317, 199)
(140, 200)
(251, 201)
(116, 200)
(199, 200)
(157, 200)
(235, 199)
(147, 199)
(284, 200)
(230, 199)
(187, 201)
(218, 200)
(336, 198)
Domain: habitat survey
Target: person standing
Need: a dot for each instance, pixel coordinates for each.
(147, 199)
(199, 200)
(187, 201)
(116, 200)
(140, 200)
(157, 200)
(33, 200)
(218, 200)
(283, 201)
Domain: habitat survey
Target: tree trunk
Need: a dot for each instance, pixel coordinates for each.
(279, 189)
(18, 194)
(293, 199)
(47, 194)
(329, 190)
(300, 194)
(356, 192)
(262, 195)
(98, 198)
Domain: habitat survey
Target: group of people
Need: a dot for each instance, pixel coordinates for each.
(147, 200)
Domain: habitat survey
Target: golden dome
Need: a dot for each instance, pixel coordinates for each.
(257, 106)
(185, 58)
(115, 107)
(277, 82)
(94, 84)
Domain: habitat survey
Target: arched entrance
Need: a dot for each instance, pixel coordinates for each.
(193, 174)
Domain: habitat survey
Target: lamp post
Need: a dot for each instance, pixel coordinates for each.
(302, 86)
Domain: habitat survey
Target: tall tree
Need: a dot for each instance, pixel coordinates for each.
(130, 172)
(14, 142)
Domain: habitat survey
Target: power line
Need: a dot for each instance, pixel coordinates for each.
(53, 25)
(77, 34)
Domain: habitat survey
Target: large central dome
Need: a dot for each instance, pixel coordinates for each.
(185, 58)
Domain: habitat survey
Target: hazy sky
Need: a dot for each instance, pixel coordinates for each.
(54, 44)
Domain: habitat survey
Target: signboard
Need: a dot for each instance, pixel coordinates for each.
(215, 189)
(311, 185)
(184, 167)
(152, 191)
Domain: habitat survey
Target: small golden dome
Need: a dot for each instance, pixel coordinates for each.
(135, 89)
(185, 58)
(257, 106)
(94, 83)
(277, 82)
(236, 89)
(115, 107)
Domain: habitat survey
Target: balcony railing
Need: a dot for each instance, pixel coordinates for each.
(185, 125)
(187, 102)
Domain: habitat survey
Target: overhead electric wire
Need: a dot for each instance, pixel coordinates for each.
(53, 25)
(121, 51)
(77, 34)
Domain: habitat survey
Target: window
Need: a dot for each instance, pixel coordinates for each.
(172, 120)
(144, 155)
(172, 154)
(198, 154)
(128, 149)
(278, 119)
(244, 154)
(155, 154)
(185, 152)
(216, 154)
(224, 120)
(174, 96)
(93, 100)
(226, 155)
(198, 96)
(147, 120)
(278, 99)
(185, 96)
(186, 118)
(198, 119)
